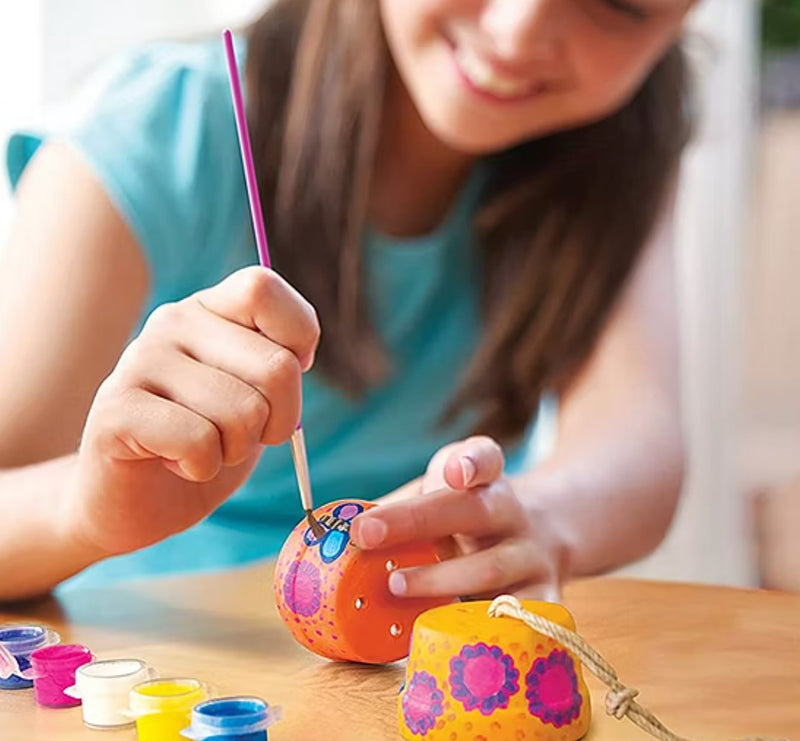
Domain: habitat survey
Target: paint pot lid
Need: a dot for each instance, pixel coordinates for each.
(163, 695)
(231, 716)
(111, 674)
(23, 639)
(70, 654)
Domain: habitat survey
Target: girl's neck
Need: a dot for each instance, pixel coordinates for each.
(416, 175)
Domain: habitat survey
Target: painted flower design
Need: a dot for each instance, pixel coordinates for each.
(333, 543)
(301, 588)
(552, 689)
(483, 677)
(422, 703)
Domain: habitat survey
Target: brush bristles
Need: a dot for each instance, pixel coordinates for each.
(316, 528)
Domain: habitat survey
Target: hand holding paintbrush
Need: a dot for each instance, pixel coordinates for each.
(180, 423)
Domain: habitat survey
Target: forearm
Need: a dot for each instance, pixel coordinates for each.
(610, 489)
(38, 549)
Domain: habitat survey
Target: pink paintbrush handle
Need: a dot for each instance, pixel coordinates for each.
(247, 151)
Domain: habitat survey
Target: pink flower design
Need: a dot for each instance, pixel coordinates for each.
(422, 703)
(483, 678)
(552, 693)
(301, 588)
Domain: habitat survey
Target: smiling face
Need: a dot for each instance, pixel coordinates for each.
(488, 74)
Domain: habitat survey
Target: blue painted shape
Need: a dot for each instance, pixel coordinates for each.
(310, 539)
(333, 545)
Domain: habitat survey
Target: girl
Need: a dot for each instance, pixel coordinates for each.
(468, 208)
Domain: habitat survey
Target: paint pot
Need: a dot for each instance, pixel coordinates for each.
(232, 719)
(104, 688)
(162, 708)
(470, 675)
(335, 599)
(54, 670)
(17, 643)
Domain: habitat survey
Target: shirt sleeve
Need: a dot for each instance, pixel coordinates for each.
(157, 130)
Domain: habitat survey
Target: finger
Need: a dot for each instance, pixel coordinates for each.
(218, 342)
(544, 591)
(243, 354)
(490, 572)
(488, 510)
(407, 491)
(139, 425)
(240, 412)
(258, 298)
(474, 462)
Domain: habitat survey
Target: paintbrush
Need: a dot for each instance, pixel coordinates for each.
(298, 443)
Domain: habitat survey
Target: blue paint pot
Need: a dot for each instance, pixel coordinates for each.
(232, 719)
(17, 643)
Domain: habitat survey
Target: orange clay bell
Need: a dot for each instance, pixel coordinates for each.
(335, 598)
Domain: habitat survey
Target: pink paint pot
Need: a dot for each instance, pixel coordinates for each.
(54, 670)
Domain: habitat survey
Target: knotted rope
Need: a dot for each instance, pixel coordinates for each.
(620, 700)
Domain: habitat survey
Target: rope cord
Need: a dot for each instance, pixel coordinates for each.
(620, 700)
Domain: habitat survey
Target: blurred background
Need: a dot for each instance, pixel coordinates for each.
(738, 242)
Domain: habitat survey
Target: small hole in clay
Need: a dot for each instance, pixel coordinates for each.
(391, 565)
(396, 630)
(361, 603)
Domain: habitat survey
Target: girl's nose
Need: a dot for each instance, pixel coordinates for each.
(523, 31)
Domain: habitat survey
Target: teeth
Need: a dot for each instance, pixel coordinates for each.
(487, 79)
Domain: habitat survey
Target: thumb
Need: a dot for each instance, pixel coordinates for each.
(476, 461)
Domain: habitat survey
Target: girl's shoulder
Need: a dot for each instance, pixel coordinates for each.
(161, 83)
(156, 127)
(169, 61)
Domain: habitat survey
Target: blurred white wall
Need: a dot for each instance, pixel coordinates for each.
(20, 77)
(49, 46)
(102, 28)
(710, 540)
(53, 43)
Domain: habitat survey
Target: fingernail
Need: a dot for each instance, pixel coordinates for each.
(397, 584)
(371, 532)
(468, 469)
(308, 363)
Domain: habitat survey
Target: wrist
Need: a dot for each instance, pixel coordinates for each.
(543, 493)
(68, 523)
(42, 542)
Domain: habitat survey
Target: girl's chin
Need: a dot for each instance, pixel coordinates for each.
(467, 129)
(463, 136)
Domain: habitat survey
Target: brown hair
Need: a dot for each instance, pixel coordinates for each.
(561, 222)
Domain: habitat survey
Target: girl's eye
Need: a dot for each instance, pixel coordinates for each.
(632, 10)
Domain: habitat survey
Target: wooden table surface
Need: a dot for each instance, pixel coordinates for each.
(713, 663)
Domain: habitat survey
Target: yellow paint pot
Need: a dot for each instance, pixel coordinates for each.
(163, 707)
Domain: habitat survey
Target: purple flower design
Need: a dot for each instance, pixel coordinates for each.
(552, 692)
(301, 588)
(483, 677)
(422, 703)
